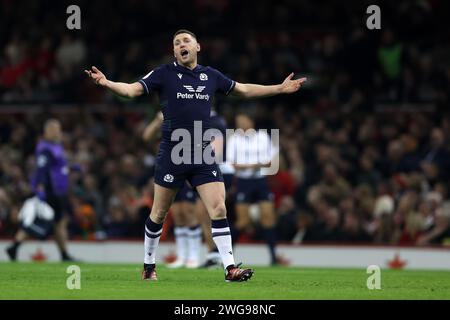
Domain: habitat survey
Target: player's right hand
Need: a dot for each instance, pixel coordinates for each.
(97, 76)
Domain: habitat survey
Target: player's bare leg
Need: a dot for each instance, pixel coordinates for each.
(187, 235)
(190, 215)
(243, 220)
(205, 221)
(194, 235)
(178, 216)
(213, 196)
(61, 238)
(163, 199)
(20, 237)
(268, 221)
(180, 232)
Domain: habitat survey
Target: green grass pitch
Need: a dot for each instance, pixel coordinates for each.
(122, 281)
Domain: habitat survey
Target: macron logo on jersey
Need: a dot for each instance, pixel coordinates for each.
(194, 93)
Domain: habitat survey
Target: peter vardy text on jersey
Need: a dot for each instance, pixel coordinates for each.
(198, 96)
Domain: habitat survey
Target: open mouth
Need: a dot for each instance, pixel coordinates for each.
(184, 53)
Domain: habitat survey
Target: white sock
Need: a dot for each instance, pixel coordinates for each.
(194, 242)
(181, 241)
(152, 234)
(222, 238)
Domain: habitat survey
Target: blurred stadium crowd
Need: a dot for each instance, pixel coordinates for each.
(365, 153)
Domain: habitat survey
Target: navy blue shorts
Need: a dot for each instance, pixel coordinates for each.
(253, 190)
(39, 229)
(186, 193)
(173, 176)
(61, 205)
(228, 180)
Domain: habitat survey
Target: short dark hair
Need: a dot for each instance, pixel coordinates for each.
(185, 31)
(50, 122)
(245, 112)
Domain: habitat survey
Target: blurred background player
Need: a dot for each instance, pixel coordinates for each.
(250, 151)
(217, 122)
(50, 183)
(187, 231)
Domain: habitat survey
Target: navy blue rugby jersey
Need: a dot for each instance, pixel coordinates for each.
(185, 95)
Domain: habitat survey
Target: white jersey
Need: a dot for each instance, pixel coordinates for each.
(253, 147)
(226, 168)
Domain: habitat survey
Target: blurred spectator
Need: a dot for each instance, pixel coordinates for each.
(436, 156)
(287, 219)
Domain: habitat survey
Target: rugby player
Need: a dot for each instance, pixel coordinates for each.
(187, 231)
(50, 183)
(185, 91)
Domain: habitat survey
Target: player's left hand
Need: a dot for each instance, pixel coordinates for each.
(97, 76)
(291, 86)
